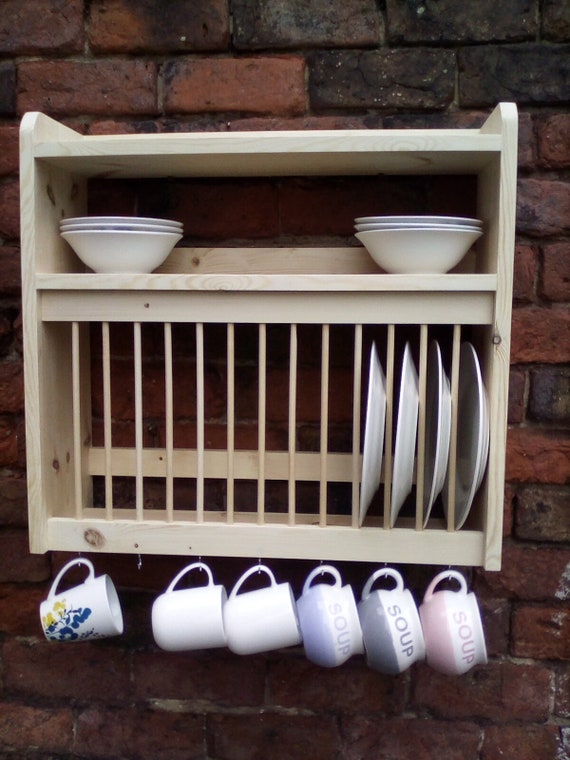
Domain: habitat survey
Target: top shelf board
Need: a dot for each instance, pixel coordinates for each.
(246, 154)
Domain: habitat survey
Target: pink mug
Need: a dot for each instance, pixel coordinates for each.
(453, 631)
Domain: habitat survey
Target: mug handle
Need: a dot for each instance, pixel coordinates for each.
(446, 575)
(65, 568)
(383, 572)
(320, 571)
(187, 569)
(246, 575)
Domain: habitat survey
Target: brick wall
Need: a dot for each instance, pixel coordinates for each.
(146, 66)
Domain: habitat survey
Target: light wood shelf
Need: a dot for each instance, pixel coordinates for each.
(76, 467)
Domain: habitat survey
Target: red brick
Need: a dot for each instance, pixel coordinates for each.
(294, 682)
(496, 614)
(543, 206)
(276, 736)
(24, 727)
(525, 272)
(540, 335)
(542, 633)
(43, 668)
(529, 573)
(260, 123)
(71, 88)
(45, 26)
(501, 692)
(562, 693)
(369, 737)
(537, 456)
(555, 281)
(549, 395)
(10, 268)
(148, 26)
(528, 73)
(517, 396)
(543, 514)
(104, 732)
(10, 205)
(258, 85)
(19, 609)
(555, 20)
(451, 21)
(526, 742)
(17, 565)
(9, 157)
(8, 442)
(7, 88)
(209, 677)
(13, 501)
(554, 141)
(398, 78)
(11, 387)
(278, 25)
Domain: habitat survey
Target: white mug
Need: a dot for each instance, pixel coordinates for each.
(263, 619)
(452, 627)
(90, 610)
(190, 618)
(391, 627)
(329, 620)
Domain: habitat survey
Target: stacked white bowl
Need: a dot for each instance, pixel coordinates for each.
(113, 244)
(417, 244)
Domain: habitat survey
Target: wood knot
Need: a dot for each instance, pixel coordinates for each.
(94, 538)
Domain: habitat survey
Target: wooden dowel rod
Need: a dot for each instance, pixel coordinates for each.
(293, 352)
(169, 421)
(356, 411)
(200, 421)
(230, 421)
(452, 466)
(325, 356)
(107, 425)
(262, 401)
(77, 447)
(390, 347)
(139, 503)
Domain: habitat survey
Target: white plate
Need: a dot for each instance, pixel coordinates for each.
(406, 430)
(438, 428)
(461, 220)
(472, 434)
(373, 433)
(89, 220)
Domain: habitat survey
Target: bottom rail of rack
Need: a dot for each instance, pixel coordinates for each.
(275, 538)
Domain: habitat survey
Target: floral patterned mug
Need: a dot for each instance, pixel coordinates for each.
(90, 610)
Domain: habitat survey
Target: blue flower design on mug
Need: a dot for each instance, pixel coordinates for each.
(63, 624)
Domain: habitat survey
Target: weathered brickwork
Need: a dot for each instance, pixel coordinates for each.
(145, 66)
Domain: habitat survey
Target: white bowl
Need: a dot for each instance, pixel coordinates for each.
(121, 250)
(117, 226)
(418, 250)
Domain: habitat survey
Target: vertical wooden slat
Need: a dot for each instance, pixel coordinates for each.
(139, 504)
(107, 425)
(452, 466)
(230, 415)
(200, 421)
(262, 402)
(293, 352)
(169, 421)
(390, 340)
(325, 355)
(77, 445)
(356, 411)
(421, 439)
